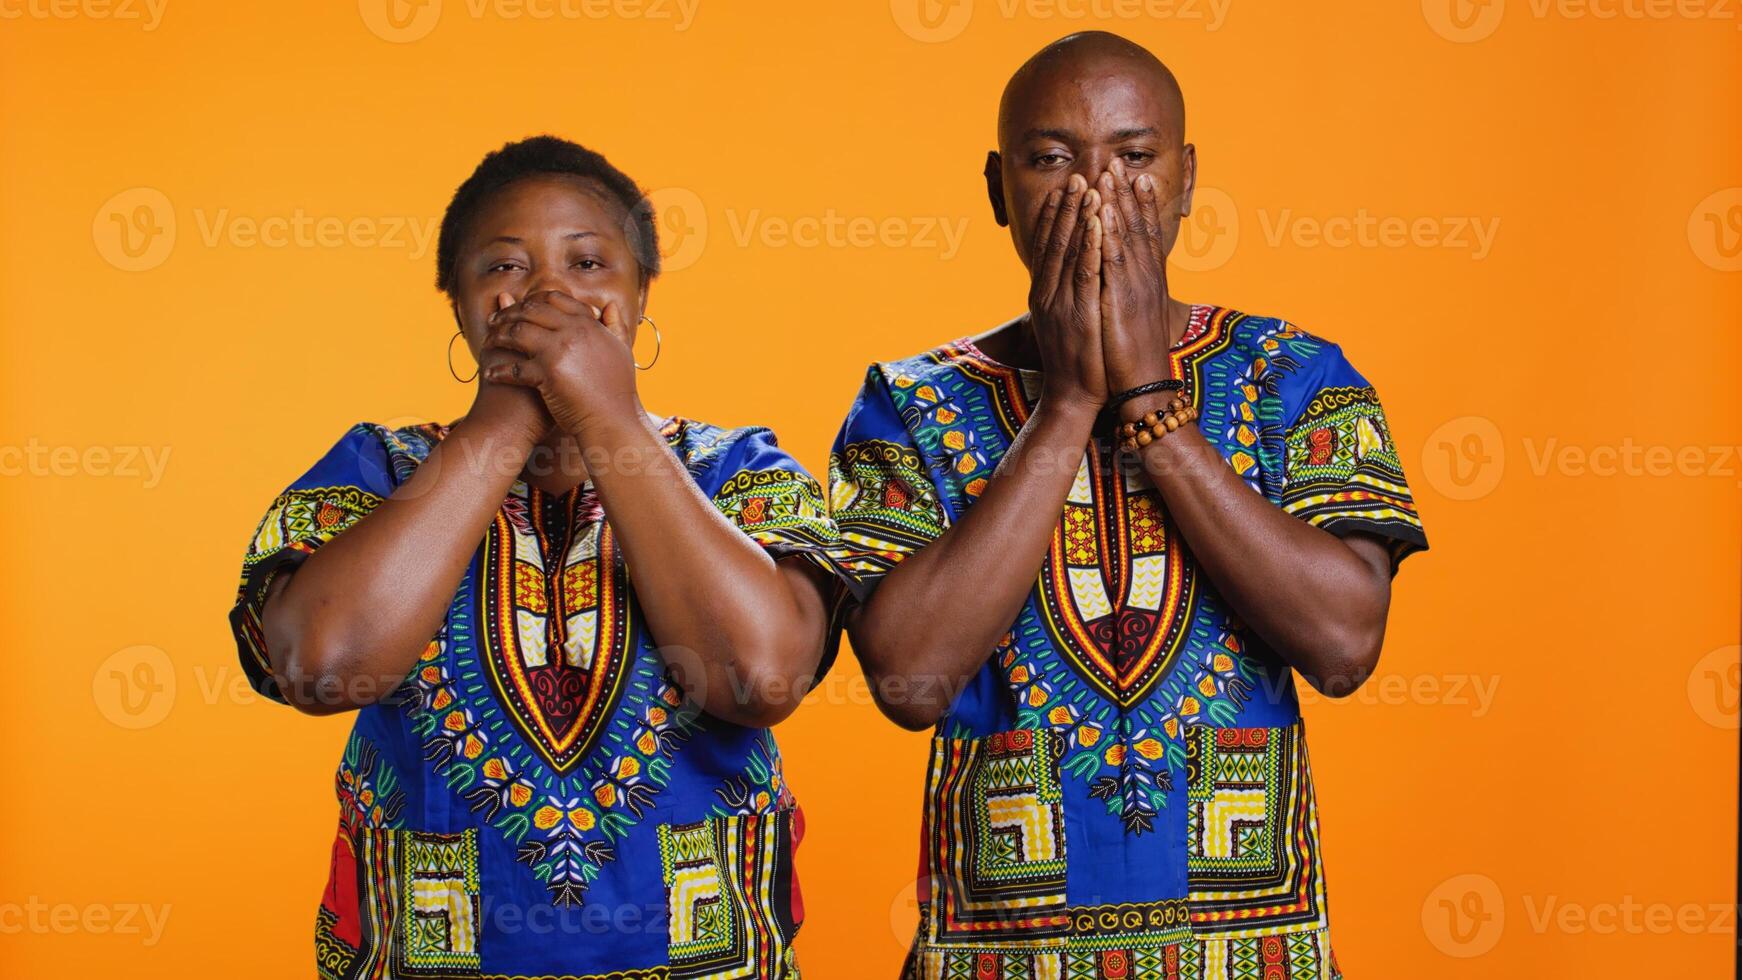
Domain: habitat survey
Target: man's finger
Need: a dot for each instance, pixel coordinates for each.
(1063, 231)
(1088, 214)
(1049, 212)
(1088, 270)
(1113, 231)
(1150, 209)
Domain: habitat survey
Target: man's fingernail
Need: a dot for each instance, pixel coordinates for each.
(1077, 183)
(1146, 182)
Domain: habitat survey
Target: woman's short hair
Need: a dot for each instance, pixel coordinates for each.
(536, 157)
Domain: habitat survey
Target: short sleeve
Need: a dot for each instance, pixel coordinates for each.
(886, 503)
(775, 502)
(769, 496)
(1341, 467)
(348, 482)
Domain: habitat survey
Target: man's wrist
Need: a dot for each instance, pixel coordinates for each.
(1134, 409)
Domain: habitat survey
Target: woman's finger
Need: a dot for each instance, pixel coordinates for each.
(612, 318)
(518, 336)
(537, 314)
(564, 303)
(522, 372)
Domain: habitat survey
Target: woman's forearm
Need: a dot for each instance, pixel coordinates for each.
(346, 626)
(937, 616)
(743, 633)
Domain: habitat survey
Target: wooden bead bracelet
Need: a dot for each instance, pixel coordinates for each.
(1135, 435)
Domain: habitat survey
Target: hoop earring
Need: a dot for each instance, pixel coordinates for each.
(456, 374)
(658, 343)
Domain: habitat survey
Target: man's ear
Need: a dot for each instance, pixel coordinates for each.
(995, 187)
(1188, 178)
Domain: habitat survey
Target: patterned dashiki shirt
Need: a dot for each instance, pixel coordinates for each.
(538, 799)
(1122, 791)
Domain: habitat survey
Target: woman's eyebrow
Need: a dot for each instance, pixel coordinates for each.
(514, 240)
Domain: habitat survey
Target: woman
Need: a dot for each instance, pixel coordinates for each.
(561, 764)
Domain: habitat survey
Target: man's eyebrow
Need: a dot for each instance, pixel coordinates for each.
(1067, 136)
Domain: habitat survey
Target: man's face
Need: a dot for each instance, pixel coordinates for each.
(1075, 118)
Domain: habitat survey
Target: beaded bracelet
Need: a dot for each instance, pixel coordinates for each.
(1136, 435)
(1170, 384)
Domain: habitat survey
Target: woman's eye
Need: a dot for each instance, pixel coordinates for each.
(504, 266)
(588, 264)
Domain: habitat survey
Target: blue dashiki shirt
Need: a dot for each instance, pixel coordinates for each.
(1122, 791)
(537, 799)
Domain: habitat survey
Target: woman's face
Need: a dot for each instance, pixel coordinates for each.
(548, 232)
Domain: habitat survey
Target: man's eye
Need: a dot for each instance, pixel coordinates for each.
(1138, 158)
(1049, 159)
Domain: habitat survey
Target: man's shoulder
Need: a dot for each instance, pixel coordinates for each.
(939, 363)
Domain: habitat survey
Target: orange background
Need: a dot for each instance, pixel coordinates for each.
(1599, 608)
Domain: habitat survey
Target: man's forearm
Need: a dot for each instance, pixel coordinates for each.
(918, 639)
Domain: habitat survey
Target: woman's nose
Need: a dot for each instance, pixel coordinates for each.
(546, 278)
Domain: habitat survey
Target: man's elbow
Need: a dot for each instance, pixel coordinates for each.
(311, 682)
(1347, 660)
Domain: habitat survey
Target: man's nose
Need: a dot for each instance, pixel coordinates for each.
(1093, 164)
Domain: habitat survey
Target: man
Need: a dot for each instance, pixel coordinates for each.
(1088, 547)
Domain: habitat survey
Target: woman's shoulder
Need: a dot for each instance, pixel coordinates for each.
(705, 445)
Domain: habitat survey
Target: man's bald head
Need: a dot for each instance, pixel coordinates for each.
(1088, 105)
(1073, 60)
